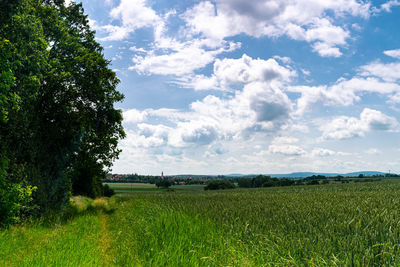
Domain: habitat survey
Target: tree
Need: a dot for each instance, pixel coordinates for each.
(219, 184)
(65, 118)
(163, 183)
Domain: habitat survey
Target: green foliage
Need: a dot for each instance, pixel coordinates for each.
(108, 191)
(86, 178)
(164, 183)
(57, 96)
(312, 182)
(219, 184)
(15, 202)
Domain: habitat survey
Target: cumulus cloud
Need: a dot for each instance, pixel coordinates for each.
(299, 20)
(178, 56)
(288, 150)
(229, 72)
(375, 77)
(344, 127)
(386, 7)
(260, 105)
(134, 116)
(133, 14)
(322, 152)
(285, 145)
(284, 140)
(388, 72)
(393, 53)
(180, 60)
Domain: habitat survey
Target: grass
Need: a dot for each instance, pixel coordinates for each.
(326, 225)
(125, 189)
(75, 243)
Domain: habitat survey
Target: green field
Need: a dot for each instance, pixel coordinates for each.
(125, 189)
(354, 224)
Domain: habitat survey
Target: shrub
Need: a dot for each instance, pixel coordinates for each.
(108, 191)
(312, 182)
(163, 183)
(219, 184)
(15, 202)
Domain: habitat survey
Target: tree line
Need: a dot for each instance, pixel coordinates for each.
(59, 129)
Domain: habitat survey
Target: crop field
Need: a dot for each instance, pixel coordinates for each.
(356, 224)
(124, 189)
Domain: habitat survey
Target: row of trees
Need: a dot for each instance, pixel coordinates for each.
(58, 125)
(264, 181)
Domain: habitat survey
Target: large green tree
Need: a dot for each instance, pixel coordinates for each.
(64, 93)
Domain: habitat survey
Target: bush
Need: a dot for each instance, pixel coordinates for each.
(219, 184)
(108, 191)
(15, 202)
(163, 183)
(313, 182)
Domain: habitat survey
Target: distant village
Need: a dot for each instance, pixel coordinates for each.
(242, 180)
(177, 179)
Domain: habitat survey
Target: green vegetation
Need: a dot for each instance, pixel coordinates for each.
(219, 184)
(354, 224)
(164, 183)
(58, 126)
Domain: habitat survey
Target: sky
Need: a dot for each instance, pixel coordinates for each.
(261, 86)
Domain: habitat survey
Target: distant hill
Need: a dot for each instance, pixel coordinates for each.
(366, 173)
(307, 174)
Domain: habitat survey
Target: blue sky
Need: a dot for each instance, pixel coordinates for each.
(263, 86)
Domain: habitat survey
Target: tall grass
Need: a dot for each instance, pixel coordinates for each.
(326, 225)
(72, 244)
(352, 224)
(80, 239)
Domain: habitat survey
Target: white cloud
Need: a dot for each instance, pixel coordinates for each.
(388, 72)
(285, 145)
(387, 7)
(177, 56)
(375, 77)
(133, 14)
(284, 140)
(68, 2)
(288, 150)
(184, 59)
(259, 105)
(322, 152)
(373, 151)
(134, 116)
(300, 20)
(344, 127)
(245, 70)
(393, 53)
(376, 120)
(325, 50)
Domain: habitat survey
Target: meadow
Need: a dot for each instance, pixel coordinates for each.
(354, 224)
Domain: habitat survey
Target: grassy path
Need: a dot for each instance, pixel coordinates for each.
(80, 242)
